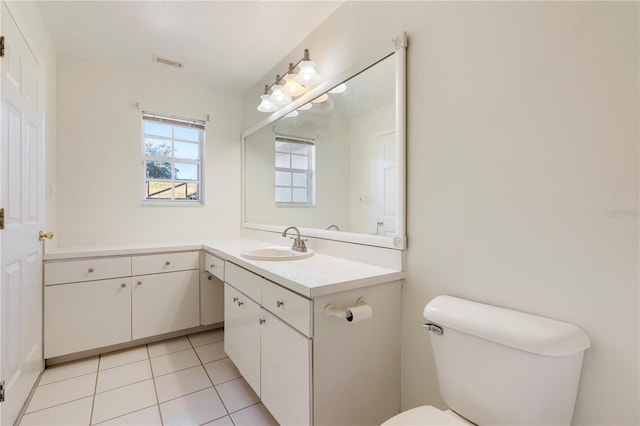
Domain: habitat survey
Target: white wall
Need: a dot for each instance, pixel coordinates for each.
(100, 155)
(522, 170)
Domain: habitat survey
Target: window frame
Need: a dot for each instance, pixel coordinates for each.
(172, 159)
(309, 171)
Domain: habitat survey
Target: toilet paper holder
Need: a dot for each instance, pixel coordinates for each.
(332, 310)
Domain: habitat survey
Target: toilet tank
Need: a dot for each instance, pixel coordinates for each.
(500, 366)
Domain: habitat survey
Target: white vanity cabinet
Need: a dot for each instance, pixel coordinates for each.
(212, 290)
(272, 354)
(242, 334)
(309, 367)
(86, 315)
(98, 302)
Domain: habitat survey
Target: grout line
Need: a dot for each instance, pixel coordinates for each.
(155, 389)
(95, 387)
(57, 405)
(210, 380)
(62, 380)
(113, 418)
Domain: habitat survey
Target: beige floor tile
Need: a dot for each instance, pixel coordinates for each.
(237, 394)
(61, 392)
(124, 400)
(222, 371)
(255, 415)
(123, 375)
(181, 383)
(125, 356)
(207, 337)
(211, 352)
(72, 413)
(169, 346)
(146, 417)
(69, 370)
(173, 362)
(196, 408)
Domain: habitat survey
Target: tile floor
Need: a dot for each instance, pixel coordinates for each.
(184, 381)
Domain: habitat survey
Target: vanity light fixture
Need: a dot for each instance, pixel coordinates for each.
(338, 89)
(283, 89)
(265, 104)
(320, 99)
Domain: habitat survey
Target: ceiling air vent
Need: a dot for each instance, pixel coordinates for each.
(169, 62)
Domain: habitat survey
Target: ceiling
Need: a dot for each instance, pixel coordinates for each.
(224, 44)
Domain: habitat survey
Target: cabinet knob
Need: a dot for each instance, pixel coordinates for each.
(212, 266)
(262, 321)
(209, 277)
(90, 270)
(235, 299)
(167, 263)
(240, 303)
(139, 282)
(279, 303)
(123, 285)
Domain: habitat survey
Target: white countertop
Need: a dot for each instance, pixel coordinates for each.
(312, 277)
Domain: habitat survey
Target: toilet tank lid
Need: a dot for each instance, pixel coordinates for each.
(519, 330)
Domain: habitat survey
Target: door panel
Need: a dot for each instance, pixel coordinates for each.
(21, 195)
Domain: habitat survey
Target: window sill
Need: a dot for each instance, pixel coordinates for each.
(172, 204)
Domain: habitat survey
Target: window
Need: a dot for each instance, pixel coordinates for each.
(294, 166)
(172, 159)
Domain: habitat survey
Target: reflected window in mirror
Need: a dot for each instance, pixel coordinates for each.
(294, 171)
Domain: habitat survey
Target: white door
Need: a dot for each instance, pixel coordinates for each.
(21, 196)
(386, 182)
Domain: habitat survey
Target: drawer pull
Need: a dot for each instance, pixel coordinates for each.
(262, 321)
(123, 285)
(90, 270)
(139, 283)
(240, 303)
(235, 299)
(279, 303)
(212, 266)
(167, 263)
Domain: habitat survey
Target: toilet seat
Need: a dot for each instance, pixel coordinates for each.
(426, 415)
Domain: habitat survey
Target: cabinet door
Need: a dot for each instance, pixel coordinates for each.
(162, 303)
(86, 315)
(211, 299)
(286, 372)
(242, 334)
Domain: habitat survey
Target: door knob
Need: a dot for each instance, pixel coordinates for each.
(42, 235)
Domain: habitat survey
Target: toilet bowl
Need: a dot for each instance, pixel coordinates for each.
(426, 415)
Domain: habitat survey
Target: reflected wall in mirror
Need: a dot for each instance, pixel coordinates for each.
(331, 164)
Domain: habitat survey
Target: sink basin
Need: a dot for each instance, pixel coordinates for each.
(276, 253)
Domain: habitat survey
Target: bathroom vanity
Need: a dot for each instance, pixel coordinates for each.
(308, 365)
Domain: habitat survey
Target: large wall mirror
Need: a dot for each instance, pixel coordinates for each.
(333, 162)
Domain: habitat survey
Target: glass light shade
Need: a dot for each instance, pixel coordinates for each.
(320, 99)
(292, 87)
(277, 97)
(307, 74)
(305, 107)
(266, 105)
(339, 89)
(292, 114)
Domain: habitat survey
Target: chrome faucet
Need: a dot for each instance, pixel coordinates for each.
(298, 243)
(330, 227)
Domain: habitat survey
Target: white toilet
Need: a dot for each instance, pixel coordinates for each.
(497, 366)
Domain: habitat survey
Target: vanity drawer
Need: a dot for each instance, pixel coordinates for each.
(86, 270)
(289, 306)
(214, 265)
(165, 262)
(245, 281)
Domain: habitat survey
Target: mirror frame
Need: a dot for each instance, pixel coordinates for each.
(397, 241)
